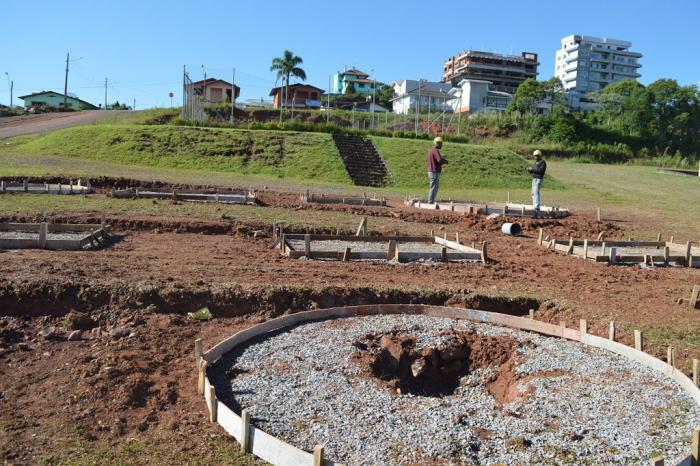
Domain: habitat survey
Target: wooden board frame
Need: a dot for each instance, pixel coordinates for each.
(279, 452)
(323, 198)
(243, 198)
(679, 255)
(503, 208)
(91, 235)
(454, 251)
(24, 187)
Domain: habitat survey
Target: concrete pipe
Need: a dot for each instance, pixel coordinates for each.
(512, 229)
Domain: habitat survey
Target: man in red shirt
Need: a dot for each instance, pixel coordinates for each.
(435, 163)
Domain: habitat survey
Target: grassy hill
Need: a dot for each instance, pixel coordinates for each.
(274, 154)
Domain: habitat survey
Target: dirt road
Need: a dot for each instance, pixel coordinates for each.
(29, 124)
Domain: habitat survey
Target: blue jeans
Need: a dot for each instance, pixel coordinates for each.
(434, 178)
(536, 186)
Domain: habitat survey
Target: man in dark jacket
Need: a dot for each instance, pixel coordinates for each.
(435, 163)
(537, 171)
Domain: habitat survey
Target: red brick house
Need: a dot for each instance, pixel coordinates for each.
(300, 96)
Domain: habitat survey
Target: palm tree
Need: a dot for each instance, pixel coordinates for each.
(288, 66)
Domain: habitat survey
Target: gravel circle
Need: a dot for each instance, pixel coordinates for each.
(302, 386)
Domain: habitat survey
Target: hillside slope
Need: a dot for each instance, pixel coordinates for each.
(281, 154)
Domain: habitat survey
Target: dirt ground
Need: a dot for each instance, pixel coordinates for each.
(127, 392)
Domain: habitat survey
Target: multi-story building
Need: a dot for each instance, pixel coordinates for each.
(474, 96)
(586, 63)
(429, 96)
(360, 81)
(505, 72)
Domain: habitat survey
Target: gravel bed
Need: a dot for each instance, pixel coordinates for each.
(594, 407)
(366, 246)
(35, 236)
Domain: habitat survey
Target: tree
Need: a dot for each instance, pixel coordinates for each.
(350, 88)
(527, 95)
(625, 108)
(288, 66)
(384, 95)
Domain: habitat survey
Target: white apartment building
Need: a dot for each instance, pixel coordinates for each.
(475, 96)
(586, 63)
(432, 95)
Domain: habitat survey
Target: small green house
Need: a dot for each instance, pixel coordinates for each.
(55, 99)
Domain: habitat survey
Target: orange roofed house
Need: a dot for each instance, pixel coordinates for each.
(214, 90)
(299, 96)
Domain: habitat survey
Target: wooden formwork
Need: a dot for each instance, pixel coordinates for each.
(278, 452)
(24, 187)
(85, 235)
(449, 250)
(248, 198)
(626, 252)
(323, 198)
(482, 208)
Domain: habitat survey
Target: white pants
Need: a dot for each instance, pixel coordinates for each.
(536, 186)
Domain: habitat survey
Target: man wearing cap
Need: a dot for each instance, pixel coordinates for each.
(537, 170)
(435, 163)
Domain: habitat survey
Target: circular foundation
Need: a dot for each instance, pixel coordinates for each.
(423, 384)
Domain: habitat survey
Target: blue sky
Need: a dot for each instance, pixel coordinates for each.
(141, 46)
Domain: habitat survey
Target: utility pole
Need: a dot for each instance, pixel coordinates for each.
(133, 107)
(105, 93)
(12, 85)
(374, 90)
(204, 92)
(417, 108)
(233, 93)
(65, 84)
(328, 107)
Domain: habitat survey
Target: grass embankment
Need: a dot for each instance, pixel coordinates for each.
(297, 156)
(273, 154)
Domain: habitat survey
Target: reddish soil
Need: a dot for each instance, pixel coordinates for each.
(62, 398)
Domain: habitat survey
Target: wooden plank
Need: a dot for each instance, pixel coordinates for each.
(229, 420)
(360, 239)
(583, 326)
(695, 452)
(657, 461)
(362, 228)
(212, 404)
(455, 246)
(43, 230)
(318, 455)
(245, 431)
(484, 252)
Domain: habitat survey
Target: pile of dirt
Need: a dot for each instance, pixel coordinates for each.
(398, 362)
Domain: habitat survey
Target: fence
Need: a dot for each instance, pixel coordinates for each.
(192, 109)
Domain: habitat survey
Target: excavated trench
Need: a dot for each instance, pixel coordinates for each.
(226, 300)
(398, 361)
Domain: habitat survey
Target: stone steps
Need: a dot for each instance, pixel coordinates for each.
(362, 161)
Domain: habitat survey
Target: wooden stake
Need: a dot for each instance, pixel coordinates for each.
(318, 455)
(585, 249)
(673, 357)
(602, 249)
(658, 238)
(696, 370)
(598, 214)
(443, 254)
(657, 461)
(670, 241)
(391, 251)
(601, 236)
(307, 245)
(43, 232)
(432, 233)
(362, 229)
(508, 197)
(202, 375)
(638, 340)
(613, 255)
(346, 255)
(103, 220)
(484, 253)
(611, 331)
(457, 238)
(688, 257)
(197, 352)
(562, 323)
(666, 255)
(694, 296)
(213, 405)
(531, 313)
(245, 431)
(669, 356)
(583, 326)
(539, 237)
(695, 453)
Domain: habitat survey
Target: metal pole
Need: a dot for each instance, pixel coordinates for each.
(233, 93)
(353, 115)
(11, 84)
(444, 109)
(171, 100)
(65, 83)
(459, 114)
(328, 107)
(204, 91)
(417, 108)
(429, 121)
(281, 96)
(133, 107)
(374, 93)
(184, 94)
